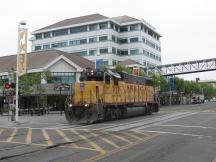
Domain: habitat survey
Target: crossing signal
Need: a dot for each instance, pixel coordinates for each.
(13, 85)
(7, 85)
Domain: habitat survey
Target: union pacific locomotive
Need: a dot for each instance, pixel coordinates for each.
(110, 95)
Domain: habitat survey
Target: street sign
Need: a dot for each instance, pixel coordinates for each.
(99, 64)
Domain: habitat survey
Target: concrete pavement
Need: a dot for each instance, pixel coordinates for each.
(175, 134)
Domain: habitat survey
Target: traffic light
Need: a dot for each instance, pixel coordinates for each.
(13, 85)
(7, 85)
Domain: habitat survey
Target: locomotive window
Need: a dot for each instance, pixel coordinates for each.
(107, 79)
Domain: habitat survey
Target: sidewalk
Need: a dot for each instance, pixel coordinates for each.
(50, 119)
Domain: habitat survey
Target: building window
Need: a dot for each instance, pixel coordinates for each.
(46, 46)
(113, 38)
(132, 40)
(150, 32)
(78, 29)
(60, 32)
(103, 50)
(151, 55)
(124, 52)
(113, 50)
(38, 36)
(47, 35)
(149, 43)
(105, 62)
(117, 28)
(134, 27)
(92, 52)
(59, 45)
(114, 62)
(118, 52)
(37, 48)
(103, 25)
(156, 57)
(64, 77)
(144, 63)
(103, 38)
(144, 52)
(112, 25)
(143, 39)
(82, 53)
(124, 29)
(92, 39)
(123, 40)
(93, 27)
(77, 42)
(134, 51)
(83, 41)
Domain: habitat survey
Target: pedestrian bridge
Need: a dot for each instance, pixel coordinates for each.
(184, 67)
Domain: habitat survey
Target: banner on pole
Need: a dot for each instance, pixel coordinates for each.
(22, 51)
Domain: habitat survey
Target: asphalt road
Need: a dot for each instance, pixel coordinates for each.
(175, 134)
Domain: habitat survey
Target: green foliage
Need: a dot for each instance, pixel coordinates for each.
(188, 87)
(160, 81)
(31, 83)
(142, 73)
(120, 67)
(49, 76)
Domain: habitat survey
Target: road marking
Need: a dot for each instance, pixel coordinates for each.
(13, 134)
(105, 140)
(23, 143)
(101, 156)
(177, 133)
(93, 144)
(188, 126)
(150, 121)
(63, 135)
(29, 136)
(46, 137)
(81, 148)
(162, 120)
(119, 137)
(131, 135)
(134, 122)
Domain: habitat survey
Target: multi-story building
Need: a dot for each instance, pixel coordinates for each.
(97, 36)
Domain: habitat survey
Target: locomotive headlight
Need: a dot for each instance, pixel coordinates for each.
(86, 105)
(70, 105)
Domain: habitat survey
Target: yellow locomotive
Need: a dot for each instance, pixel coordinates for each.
(109, 95)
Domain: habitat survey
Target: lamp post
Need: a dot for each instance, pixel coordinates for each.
(21, 23)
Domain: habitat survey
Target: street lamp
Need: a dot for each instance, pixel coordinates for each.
(21, 23)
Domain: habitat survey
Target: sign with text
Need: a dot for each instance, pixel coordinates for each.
(99, 64)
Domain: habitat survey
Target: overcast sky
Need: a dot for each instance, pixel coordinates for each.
(188, 27)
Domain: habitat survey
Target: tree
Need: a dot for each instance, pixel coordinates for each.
(160, 81)
(121, 68)
(30, 84)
